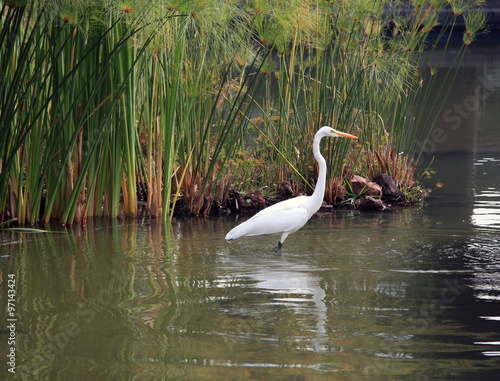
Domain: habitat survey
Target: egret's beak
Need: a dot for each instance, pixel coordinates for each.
(344, 135)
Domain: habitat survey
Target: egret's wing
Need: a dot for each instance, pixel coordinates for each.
(285, 218)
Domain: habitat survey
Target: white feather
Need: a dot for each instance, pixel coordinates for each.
(284, 217)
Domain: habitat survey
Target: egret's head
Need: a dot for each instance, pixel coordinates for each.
(328, 131)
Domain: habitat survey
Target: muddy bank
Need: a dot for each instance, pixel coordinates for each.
(359, 193)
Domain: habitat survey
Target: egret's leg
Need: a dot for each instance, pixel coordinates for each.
(282, 240)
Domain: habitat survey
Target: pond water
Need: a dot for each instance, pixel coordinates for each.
(401, 294)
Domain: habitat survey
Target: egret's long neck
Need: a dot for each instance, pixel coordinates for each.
(319, 191)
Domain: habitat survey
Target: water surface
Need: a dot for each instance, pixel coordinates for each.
(352, 296)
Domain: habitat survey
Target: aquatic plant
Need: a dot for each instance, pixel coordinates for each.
(358, 66)
(111, 105)
(72, 138)
(197, 103)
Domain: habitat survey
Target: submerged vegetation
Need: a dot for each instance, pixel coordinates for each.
(111, 106)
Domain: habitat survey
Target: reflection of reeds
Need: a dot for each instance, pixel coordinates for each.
(105, 103)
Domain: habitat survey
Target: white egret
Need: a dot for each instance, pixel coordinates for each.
(288, 216)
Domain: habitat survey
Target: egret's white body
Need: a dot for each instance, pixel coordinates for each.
(288, 216)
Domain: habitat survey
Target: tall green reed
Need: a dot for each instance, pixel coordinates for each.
(68, 101)
(197, 96)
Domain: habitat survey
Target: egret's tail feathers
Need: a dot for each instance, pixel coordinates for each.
(231, 237)
(235, 233)
(246, 228)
